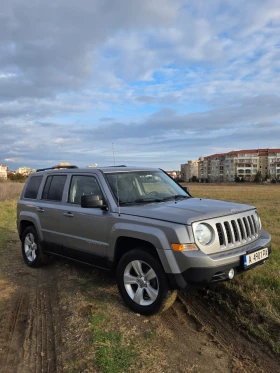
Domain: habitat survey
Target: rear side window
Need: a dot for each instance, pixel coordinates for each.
(33, 187)
(53, 188)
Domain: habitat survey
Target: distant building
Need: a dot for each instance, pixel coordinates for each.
(188, 170)
(173, 174)
(244, 164)
(3, 172)
(24, 170)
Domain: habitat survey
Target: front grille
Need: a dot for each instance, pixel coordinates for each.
(236, 231)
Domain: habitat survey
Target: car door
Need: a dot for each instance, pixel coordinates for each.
(84, 230)
(49, 208)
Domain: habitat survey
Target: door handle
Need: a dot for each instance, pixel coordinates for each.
(40, 209)
(68, 214)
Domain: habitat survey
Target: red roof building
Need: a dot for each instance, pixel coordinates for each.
(244, 164)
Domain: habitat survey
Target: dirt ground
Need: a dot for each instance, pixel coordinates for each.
(44, 325)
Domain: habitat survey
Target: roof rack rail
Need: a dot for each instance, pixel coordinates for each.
(121, 165)
(58, 167)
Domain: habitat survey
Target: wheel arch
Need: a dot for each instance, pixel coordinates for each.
(26, 220)
(125, 244)
(125, 237)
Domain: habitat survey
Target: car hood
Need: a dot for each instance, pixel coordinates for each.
(185, 211)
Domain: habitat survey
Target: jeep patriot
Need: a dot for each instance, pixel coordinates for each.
(143, 225)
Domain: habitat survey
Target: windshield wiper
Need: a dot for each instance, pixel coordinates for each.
(175, 197)
(147, 200)
(151, 200)
(141, 200)
(127, 203)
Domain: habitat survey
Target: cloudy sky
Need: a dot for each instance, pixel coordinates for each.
(165, 81)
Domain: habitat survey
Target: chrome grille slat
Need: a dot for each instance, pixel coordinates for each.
(220, 234)
(239, 232)
(235, 231)
(247, 228)
(228, 233)
(241, 228)
(253, 224)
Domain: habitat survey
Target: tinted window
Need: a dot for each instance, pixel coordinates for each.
(47, 187)
(83, 185)
(54, 186)
(33, 187)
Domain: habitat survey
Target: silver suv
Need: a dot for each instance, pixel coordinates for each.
(141, 223)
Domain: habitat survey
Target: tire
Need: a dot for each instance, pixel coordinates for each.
(143, 284)
(31, 249)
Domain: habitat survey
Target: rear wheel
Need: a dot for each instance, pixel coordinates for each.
(142, 283)
(31, 249)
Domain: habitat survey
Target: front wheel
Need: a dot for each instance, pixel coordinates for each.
(142, 283)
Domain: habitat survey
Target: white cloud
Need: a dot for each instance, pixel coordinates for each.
(75, 76)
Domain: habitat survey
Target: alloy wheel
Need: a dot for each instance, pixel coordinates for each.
(30, 247)
(141, 282)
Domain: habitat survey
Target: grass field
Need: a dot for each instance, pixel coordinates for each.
(253, 298)
(9, 193)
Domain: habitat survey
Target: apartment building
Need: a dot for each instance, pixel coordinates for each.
(3, 172)
(244, 164)
(190, 169)
(24, 170)
(272, 163)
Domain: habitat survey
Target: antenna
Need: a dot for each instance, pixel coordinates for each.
(113, 154)
(118, 198)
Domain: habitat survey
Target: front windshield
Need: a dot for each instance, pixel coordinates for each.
(144, 187)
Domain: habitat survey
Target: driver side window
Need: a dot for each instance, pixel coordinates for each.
(83, 185)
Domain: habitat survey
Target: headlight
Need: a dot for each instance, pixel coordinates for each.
(203, 234)
(257, 220)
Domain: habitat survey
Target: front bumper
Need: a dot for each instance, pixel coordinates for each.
(216, 267)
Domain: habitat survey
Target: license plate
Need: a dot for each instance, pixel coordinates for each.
(255, 257)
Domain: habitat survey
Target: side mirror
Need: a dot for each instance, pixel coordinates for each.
(91, 201)
(186, 189)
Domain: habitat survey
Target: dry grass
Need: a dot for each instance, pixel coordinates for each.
(9, 194)
(10, 190)
(259, 287)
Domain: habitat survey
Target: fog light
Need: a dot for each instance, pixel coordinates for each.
(231, 273)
